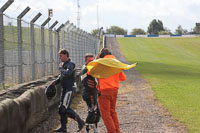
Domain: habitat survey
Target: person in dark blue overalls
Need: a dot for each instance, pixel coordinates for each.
(66, 80)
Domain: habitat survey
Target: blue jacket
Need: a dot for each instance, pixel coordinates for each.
(66, 77)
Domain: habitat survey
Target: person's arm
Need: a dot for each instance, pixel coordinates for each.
(56, 81)
(68, 71)
(83, 70)
(122, 76)
(83, 73)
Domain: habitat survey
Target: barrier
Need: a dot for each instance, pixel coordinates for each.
(152, 35)
(24, 106)
(144, 36)
(129, 35)
(175, 35)
(20, 114)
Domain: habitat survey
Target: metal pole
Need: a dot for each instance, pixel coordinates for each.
(58, 43)
(43, 45)
(79, 46)
(2, 67)
(73, 41)
(19, 34)
(63, 39)
(55, 55)
(33, 46)
(51, 47)
(2, 71)
(82, 46)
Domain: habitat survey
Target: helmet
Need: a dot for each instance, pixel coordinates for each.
(50, 91)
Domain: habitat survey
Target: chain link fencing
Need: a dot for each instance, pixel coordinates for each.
(29, 51)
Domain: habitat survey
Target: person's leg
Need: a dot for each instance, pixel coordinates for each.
(95, 128)
(63, 117)
(113, 111)
(87, 122)
(63, 121)
(75, 116)
(71, 113)
(86, 98)
(104, 105)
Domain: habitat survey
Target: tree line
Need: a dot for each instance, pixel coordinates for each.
(155, 28)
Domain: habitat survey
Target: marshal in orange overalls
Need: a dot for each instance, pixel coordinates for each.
(107, 100)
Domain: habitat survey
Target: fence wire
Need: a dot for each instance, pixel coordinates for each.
(28, 55)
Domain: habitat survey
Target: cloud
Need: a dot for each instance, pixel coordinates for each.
(128, 14)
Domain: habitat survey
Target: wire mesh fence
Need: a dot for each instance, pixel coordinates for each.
(29, 51)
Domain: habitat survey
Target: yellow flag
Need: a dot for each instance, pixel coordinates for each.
(105, 67)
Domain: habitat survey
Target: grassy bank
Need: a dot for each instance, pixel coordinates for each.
(172, 66)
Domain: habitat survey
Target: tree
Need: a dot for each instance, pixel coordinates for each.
(95, 32)
(196, 30)
(180, 30)
(166, 31)
(116, 30)
(138, 31)
(155, 27)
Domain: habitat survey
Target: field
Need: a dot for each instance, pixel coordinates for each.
(172, 67)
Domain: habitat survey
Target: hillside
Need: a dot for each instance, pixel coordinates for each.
(171, 66)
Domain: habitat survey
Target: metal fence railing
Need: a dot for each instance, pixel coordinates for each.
(29, 51)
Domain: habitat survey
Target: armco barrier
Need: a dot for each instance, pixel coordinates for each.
(141, 35)
(26, 105)
(175, 35)
(144, 36)
(152, 35)
(119, 36)
(129, 35)
(164, 36)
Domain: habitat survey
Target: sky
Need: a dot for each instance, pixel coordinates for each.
(127, 14)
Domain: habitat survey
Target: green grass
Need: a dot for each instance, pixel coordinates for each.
(11, 38)
(172, 67)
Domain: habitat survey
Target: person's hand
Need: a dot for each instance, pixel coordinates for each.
(53, 83)
(61, 65)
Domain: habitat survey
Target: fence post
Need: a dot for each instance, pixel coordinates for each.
(2, 71)
(103, 43)
(85, 42)
(1, 51)
(79, 47)
(55, 47)
(73, 43)
(19, 35)
(68, 42)
(43, 46)
(33, 45)
(63, 38)
(58, 43)
(65, 34)
(51, 46)
(82, 46)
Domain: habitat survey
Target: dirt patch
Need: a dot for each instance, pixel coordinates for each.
(138, 109)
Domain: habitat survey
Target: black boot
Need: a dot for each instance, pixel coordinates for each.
(80, 123)
(61, 129)
(63, 122)
(87, 128)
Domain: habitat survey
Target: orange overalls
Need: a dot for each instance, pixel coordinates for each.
(108, 98)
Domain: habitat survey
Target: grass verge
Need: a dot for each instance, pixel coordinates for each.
(172, 66)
